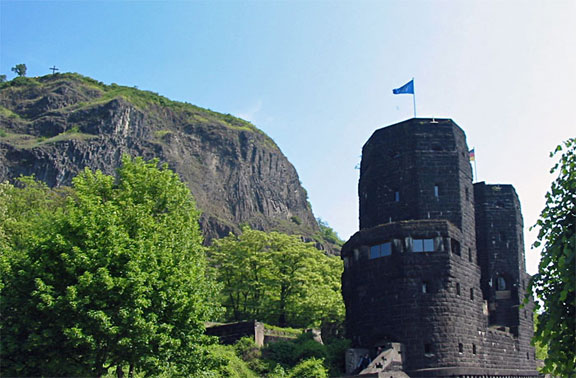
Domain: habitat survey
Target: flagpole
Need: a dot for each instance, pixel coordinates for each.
(414, 98)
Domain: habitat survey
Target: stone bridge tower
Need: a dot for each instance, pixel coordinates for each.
(412, 274)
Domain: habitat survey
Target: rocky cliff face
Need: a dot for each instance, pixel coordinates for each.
(54, 126)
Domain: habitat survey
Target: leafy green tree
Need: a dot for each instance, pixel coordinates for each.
(114, 278)
(2, 79)
(24, 213)
(277, 278)
(555, 283)
(19, 69)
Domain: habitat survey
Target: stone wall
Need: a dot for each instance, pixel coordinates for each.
(412, 274)
(500, 241)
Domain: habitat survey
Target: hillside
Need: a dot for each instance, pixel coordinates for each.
(54, 126)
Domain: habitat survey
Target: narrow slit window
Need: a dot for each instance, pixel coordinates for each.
(472, 293)
(436, 190)
(425, 287)
(397, 196)
(455, 246)
(457, 288)
(460, 348)
(473, 348)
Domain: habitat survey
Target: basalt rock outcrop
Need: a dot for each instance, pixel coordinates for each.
(54, 126)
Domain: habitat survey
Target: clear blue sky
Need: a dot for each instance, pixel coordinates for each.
(317, 76)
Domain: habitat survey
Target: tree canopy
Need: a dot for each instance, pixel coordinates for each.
(19, 69)
(277, 278)
(555, 283)
(111, 276)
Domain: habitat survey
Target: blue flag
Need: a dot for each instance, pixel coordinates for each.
(406, 88)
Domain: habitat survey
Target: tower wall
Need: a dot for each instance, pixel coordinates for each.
(500, 244)
(412, 274)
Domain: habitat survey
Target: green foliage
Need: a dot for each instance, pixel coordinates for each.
(540, 349)
(3, 134)
(285, 330)
(336, 352)
(277, 278)
(296, 219)
(8, 113)
(115, 276)
(555, 283)
(100, 93)
(310, 368)
(162, 133)
(2, 79)
(277, 372)
(328, 233)
(282, 352)
(226, 363)
(247, 350)
(21, 81)
(289, 354)
(19, 69)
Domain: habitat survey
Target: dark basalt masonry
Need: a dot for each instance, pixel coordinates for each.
(438, 263)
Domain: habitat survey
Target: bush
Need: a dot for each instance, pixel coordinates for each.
(247, 350)
(227, 364)
(277, 372)
(282, 352)
(336, 351)
(307, 348)
(310, 368)
(290, 354)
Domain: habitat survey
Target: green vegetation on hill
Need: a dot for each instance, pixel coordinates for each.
(142, 99)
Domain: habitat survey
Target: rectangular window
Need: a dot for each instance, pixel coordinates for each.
(460, 348)
(473, 348)
(381, 250)
(423, 245)
(457, 288)
(428, 348)
(436, 190)
(472, 293)
(386, 249)
(375, 251)
(397, 196)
